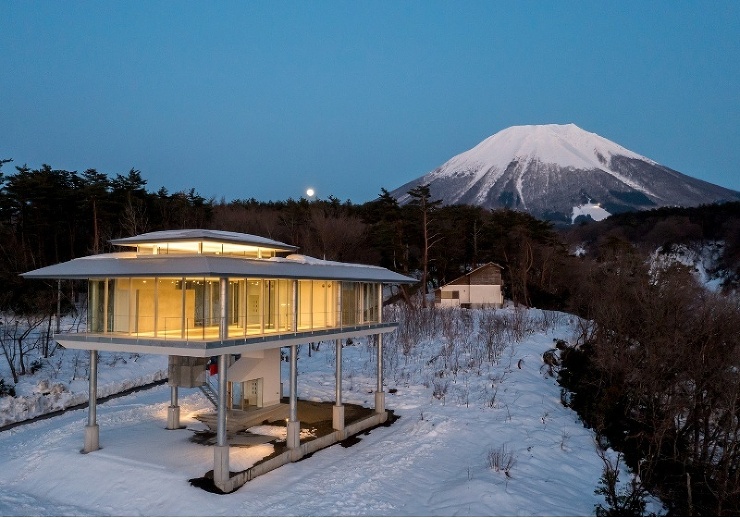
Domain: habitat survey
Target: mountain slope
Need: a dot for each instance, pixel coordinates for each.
(554, 171)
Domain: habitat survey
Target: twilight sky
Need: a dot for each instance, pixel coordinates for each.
(264, 99)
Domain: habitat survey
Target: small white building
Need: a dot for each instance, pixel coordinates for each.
(481, 287)
(199, 294)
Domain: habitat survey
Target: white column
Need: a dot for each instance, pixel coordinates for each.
(173, 411)
(221, 450)
(221, 472)
(59, 307)
(338, 309)
(183, 319)
(379, 394)
(223, 328)
(156, 306)
(338, 410)
(106, 304)
(92, 431)
(294, 426)
(294, 324)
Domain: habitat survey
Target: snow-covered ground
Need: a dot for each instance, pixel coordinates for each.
(701, 257)
(62, 381)
(435, 460)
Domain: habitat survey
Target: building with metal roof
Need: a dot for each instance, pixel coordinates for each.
(196, 294)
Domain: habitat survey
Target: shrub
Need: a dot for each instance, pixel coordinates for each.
(628, 500)
(501, 460)
(6, 389)
(36, 365)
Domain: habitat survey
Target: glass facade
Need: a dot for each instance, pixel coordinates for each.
(187, 308)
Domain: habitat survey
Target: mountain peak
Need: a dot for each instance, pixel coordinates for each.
(566, 145)
(551, 170)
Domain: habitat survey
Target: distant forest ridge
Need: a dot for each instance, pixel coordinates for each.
(51, 215)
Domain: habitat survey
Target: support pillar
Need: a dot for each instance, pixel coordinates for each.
(294, 426)
(173, 411)
(221, 472)
(92, 431)
(58, 326)
(379, 394)
(338, 410)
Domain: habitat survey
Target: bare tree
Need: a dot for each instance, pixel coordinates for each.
(18, 337)
(421, 198)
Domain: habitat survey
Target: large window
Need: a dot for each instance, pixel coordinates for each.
(370, 302)
(169, 307)
(254, 307)
(96, 306)
(350, 303)
(190, 308)
(305, 305)
(284, 304)
(325, 303)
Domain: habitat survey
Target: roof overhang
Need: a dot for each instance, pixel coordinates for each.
(130, 265)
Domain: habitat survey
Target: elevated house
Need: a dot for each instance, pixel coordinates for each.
(478, 288)
(198, 294)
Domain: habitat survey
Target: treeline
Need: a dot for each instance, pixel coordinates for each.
(51, 215)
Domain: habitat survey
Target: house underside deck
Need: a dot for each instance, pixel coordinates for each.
(204, 348)
(317, 432)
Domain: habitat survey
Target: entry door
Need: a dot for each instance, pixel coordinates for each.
(253, 389)
(237, 391)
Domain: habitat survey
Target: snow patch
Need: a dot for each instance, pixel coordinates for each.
(596, 211)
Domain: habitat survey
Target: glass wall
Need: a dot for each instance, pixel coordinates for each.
(305, 303)
(96, 306)
(359, 303)
(190, 308)
(169, 307)
(350, 315)
(253, 309)
(370, 292)
(285, 305)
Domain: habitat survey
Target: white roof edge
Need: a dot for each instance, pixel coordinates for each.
(130, 265)
(205, 234)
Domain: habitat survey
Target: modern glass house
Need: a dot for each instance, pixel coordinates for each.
(196, 294)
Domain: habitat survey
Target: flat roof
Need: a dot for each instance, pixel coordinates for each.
(200, 234)
(129, 264)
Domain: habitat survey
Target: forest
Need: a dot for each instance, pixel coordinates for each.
(655, 369)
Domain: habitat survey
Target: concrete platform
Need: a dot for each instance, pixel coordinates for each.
(313, 415)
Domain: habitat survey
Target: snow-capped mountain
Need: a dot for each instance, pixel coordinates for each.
(559, 172)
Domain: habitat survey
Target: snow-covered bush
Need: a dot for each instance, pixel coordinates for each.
(501, 459)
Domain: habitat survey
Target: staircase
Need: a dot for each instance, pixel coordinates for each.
(210, 392)
(238, 420)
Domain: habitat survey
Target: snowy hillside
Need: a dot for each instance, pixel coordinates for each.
(701, 258)
(481, 432)
(553, 171)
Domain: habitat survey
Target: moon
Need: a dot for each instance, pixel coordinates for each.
(310, 192)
